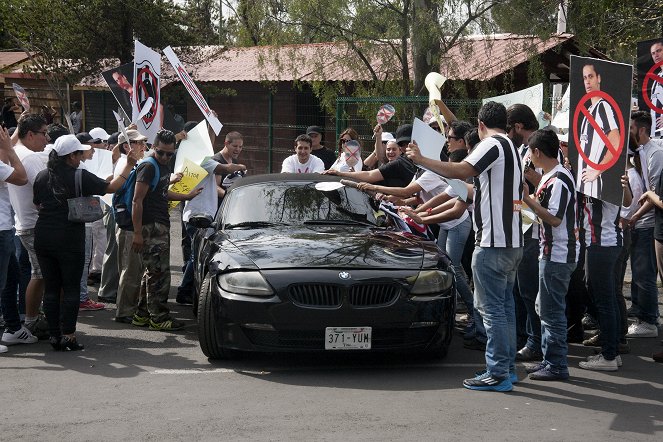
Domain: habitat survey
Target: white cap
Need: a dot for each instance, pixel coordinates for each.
(67, 144)
(100, 133)
(387, 136)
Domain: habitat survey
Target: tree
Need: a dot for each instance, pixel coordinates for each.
(612, 27)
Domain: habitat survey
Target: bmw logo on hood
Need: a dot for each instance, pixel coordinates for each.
(344, 275)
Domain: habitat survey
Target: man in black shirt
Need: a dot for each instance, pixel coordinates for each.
(8, 115)
(151, 236)
(396, 173)
(327, 156)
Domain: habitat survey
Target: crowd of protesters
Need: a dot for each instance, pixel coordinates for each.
(535, 289)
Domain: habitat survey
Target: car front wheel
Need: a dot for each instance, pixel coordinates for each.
(210, 343)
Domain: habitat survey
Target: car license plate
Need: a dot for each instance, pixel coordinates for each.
(348, 338)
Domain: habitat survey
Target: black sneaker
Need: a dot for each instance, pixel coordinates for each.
(474, 344)
(526, 354)
(488, 383)
(589, 323)
(124, 319)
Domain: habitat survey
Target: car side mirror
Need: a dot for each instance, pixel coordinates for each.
(201, 221)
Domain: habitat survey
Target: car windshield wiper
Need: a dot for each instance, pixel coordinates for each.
(339, 222)
(253, 224)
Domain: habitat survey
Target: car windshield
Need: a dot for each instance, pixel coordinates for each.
(295, 203)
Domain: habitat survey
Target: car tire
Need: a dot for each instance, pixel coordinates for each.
(207, 332)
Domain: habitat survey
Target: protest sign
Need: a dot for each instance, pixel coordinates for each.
(561, 119)
(650, 82)
(147, 74)
(430, 144)
(120, 80)
(22, 96)
(600, 101)
(195, 147)
(532, 97)
(101, 163)
(190, 86)
(192, 175)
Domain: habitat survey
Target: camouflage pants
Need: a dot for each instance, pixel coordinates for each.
(155, 285)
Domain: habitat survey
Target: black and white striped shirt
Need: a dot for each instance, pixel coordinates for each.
(601, 223)
(556, 192)
(498, 193)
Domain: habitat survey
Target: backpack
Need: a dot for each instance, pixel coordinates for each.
(124, 196)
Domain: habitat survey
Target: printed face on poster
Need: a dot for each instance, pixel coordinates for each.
(22, 96)
(650, 82)
(600, 102)
(120, 80)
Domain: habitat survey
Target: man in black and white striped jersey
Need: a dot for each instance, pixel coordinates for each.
(497, 170)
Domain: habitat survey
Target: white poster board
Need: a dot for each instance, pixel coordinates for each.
(147, 74)
(195, 147)
(193, 90)
(561, 120)
(532, 97)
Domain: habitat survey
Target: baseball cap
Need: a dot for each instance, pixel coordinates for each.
(85, 137)
(100, 133)
(112, 138)
(67, 144)
(314, 129)
(387, 136)
(404, 133)
(133, 135)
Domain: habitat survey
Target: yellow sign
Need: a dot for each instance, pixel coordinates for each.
(192, 175)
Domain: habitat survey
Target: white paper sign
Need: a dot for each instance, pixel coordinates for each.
(147, 73)
(101, 163)
(22, 96)
(561, 120)
(193, 90)
(429, 140)
(195, 147)
(531, 97)
(430, 144)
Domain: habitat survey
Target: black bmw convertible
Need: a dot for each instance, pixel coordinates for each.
(300, 262)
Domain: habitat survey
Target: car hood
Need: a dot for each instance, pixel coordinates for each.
(330, 247)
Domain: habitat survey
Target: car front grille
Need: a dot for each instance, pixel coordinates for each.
(315, 339)
(332, 296)
(316, 295)
(373, 295)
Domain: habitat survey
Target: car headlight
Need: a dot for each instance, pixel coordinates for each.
(245, 283)
(432, 282)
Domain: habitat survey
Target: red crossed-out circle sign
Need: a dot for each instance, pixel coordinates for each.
(616, 150)
(645, 83)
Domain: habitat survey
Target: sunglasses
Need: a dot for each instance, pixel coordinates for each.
(344, 140)
(163, 153)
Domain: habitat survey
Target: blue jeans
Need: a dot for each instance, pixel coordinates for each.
(554, 280)
(600, 267)
(644, 292)
(528, 288)
(9, 304)
(186, 286)
(494, 270)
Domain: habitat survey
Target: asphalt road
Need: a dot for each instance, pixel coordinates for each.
(135, 384)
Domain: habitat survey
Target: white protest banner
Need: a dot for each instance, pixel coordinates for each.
(193, 90)
(101, 163)
(22, 96)
(195, 147)
(531, 97)
(147, 73)
(430, 144)
(561, 120)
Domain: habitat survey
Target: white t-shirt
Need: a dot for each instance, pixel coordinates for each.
(6, 221)
(292, 165)
(21, 196)
(208, 200)
(431, 185)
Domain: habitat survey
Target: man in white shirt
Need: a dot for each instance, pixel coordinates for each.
(32, 139)
(302, 161)
(11, 171)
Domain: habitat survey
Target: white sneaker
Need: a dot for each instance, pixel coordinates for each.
(641, 329)
(3, 349)
(599, 363)
(20, 336)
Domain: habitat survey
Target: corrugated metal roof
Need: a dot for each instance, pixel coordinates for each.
(11, 58)
(473, 58)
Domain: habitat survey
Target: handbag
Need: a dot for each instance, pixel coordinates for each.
(83, 209)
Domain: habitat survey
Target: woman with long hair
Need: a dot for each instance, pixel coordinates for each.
(60, 243)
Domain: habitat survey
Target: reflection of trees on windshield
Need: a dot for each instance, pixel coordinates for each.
(294, 203)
